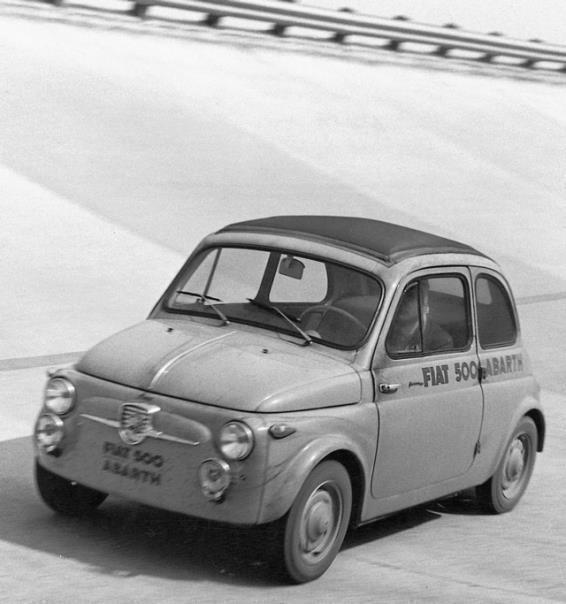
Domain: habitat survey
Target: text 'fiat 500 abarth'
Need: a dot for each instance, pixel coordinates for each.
(305, 372)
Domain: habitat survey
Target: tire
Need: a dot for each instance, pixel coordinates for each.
(316, 524)
(65, 496)
(502, 492)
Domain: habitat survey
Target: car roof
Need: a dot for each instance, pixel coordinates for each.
(386, 241)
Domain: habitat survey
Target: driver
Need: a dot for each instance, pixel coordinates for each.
(413, 330)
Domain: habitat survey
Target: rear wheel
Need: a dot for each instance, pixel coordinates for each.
(317, 522)
(504, 489)
(66, 496)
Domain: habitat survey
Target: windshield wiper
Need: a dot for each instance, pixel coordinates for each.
(198, 295)
(278, 311)
(202, 298)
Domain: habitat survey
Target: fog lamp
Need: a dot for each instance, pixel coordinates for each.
(59, 395)
(49, 432)
(214, 477)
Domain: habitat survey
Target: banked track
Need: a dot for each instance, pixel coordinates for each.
(120, 150)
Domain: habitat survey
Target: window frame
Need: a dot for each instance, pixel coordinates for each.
(266, 282)
(509, 301)
(464, 278)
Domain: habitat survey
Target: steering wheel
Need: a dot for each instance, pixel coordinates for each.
(325, 308)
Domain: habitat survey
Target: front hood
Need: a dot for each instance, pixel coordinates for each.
(222, 366)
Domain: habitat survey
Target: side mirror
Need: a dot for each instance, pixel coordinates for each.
(291, 267)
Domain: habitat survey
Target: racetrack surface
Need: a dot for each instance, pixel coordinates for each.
(120, 149)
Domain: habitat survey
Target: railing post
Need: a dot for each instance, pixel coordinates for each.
(211, 20)
(529, 63)
(395, 45)
(139, 10)
(339, 36)
(444, 50)
(490, 56)
(279, 29)
(392, 45)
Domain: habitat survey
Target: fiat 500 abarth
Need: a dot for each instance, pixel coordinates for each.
(307, 372)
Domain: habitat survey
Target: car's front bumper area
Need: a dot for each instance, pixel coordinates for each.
(162, 469)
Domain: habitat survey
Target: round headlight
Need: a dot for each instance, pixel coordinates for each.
(236, 441)
(59, 395)
(49, 431)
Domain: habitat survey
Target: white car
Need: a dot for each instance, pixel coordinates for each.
(307, 372)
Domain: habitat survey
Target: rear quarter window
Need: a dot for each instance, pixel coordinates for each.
(496, 319)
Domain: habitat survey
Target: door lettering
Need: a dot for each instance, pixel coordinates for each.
(435, 375)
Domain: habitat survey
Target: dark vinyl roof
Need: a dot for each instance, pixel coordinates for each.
(386, 241)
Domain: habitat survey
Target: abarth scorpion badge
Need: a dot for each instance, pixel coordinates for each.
(136, 422)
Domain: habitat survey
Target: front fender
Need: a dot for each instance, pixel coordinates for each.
(285, 481)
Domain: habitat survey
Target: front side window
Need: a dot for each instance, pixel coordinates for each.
(307, 297)
(432, 316)
(496, 320)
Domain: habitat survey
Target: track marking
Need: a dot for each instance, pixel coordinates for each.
(542, 298)
(39, 361)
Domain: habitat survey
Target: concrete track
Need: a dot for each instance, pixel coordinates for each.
(119, 151)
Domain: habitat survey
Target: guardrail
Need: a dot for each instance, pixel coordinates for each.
(396, 34)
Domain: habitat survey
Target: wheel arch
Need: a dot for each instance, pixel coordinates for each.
(538, 417)
(356, 473)
(506, 486)
(281, 492)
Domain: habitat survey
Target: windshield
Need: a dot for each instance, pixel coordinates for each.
(312, 299)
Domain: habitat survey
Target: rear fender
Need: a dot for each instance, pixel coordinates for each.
(529, 407)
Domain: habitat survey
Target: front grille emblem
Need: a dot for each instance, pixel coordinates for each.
(136, 422)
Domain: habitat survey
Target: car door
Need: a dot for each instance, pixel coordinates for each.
(429, 400)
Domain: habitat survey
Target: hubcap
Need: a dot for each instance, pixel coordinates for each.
(515, 466)
(320, 522)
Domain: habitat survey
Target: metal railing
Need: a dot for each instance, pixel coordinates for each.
(392, 34)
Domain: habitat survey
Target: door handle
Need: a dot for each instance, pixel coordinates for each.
(388, 388)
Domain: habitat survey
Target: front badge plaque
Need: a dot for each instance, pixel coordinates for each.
(136, 422)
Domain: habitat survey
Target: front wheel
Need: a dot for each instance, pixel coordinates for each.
(317, 522)
(504, 489)
(65, 496)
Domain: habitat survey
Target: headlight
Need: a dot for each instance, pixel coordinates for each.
(59, 395)
(49, 432)
(236, 441)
